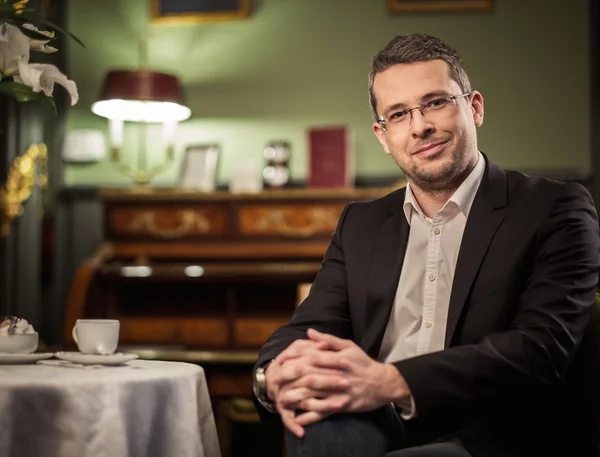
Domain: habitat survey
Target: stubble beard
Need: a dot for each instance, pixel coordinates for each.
(444, 178)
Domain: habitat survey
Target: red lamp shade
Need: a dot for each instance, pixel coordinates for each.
(141, 85)
(141, 96)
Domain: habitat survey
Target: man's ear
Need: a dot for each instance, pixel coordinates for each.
(477, 108)
(380, 134)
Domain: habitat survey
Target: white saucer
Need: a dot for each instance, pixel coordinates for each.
(94, 359)
(14, 359)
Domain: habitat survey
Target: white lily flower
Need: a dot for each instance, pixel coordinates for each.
(14, 48)
(42, 76)
(40, 45)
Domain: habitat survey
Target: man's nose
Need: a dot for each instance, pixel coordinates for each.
(420, 127)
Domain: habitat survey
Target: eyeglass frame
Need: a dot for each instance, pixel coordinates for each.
(381, 119)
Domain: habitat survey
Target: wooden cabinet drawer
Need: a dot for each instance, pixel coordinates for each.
(254, 331)
(166, 222)
(292, 220)
(206, 332)
(144, 330)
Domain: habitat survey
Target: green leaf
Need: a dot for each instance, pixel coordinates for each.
(20, 92)
(50, 100)
(36, 35)
(19, 20)
(63, 31)
(28, 15)
(23, 93)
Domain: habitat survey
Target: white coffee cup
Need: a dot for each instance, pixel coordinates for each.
(96, 336)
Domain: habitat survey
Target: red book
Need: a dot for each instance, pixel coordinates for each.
(329, 157)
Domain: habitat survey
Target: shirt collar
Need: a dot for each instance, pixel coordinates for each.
(463, 196)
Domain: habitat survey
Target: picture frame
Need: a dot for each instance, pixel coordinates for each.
(436, 6)
(181, 12)
(199, 167)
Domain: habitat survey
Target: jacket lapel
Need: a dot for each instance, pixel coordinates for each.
(384, 273)
(485, 217)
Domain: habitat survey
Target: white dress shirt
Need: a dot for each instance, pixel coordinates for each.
(417, 323)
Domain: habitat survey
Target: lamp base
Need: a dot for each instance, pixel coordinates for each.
(138, 176)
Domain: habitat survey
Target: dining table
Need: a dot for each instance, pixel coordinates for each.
(142, 408)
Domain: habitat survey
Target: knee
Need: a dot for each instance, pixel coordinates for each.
(339, 434)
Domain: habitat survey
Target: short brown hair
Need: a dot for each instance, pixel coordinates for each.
(418, 47)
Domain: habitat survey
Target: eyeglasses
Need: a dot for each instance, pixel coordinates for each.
(437, 105)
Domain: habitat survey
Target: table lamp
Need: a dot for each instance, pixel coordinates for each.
(145, 97)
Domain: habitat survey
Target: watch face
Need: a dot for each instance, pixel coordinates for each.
(259, 385)
(277, 153)
(276, 175)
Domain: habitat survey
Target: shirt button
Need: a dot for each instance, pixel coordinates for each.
(428, 324)
(436, 231)
(432, 277)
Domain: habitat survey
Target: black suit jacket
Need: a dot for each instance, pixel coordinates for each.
(524, 284)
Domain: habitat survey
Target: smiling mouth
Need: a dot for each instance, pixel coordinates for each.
(433, 147)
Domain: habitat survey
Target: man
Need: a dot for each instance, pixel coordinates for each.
(445, 314)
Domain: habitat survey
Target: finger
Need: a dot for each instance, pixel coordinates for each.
(288, 417)
(328, 360)
(289, 372)
(301, 352)
(322, 379)
(313, 361)
(333, 342)
(331, 404)
(294, 398)
(299, 366)
(297, 349)
(291, 398)
(324, 362)
(321, 345)
(309, 417)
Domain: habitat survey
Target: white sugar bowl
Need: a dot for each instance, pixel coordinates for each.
(24, 343)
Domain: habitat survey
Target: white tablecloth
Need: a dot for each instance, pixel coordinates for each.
(144, 409)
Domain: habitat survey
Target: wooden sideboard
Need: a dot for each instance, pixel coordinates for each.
(203, 271)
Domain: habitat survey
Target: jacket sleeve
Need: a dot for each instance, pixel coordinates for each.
(548, 326)
(326, 307)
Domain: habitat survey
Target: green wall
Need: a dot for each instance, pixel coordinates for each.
(299, 63)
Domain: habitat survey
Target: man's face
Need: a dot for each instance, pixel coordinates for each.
(436, 149)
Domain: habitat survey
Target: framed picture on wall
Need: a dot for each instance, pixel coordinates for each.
(199, 167)
(192, 11)
(434, 6)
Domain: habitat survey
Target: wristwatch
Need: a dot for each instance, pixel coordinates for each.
(259, 386)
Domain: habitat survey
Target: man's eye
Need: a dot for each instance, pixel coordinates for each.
(437, 103)
(398, 115)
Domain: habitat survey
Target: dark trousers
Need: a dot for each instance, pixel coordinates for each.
(371, 434)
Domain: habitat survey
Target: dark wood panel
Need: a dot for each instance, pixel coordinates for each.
(21, 124)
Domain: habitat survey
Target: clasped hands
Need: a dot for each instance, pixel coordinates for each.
(324, 375)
